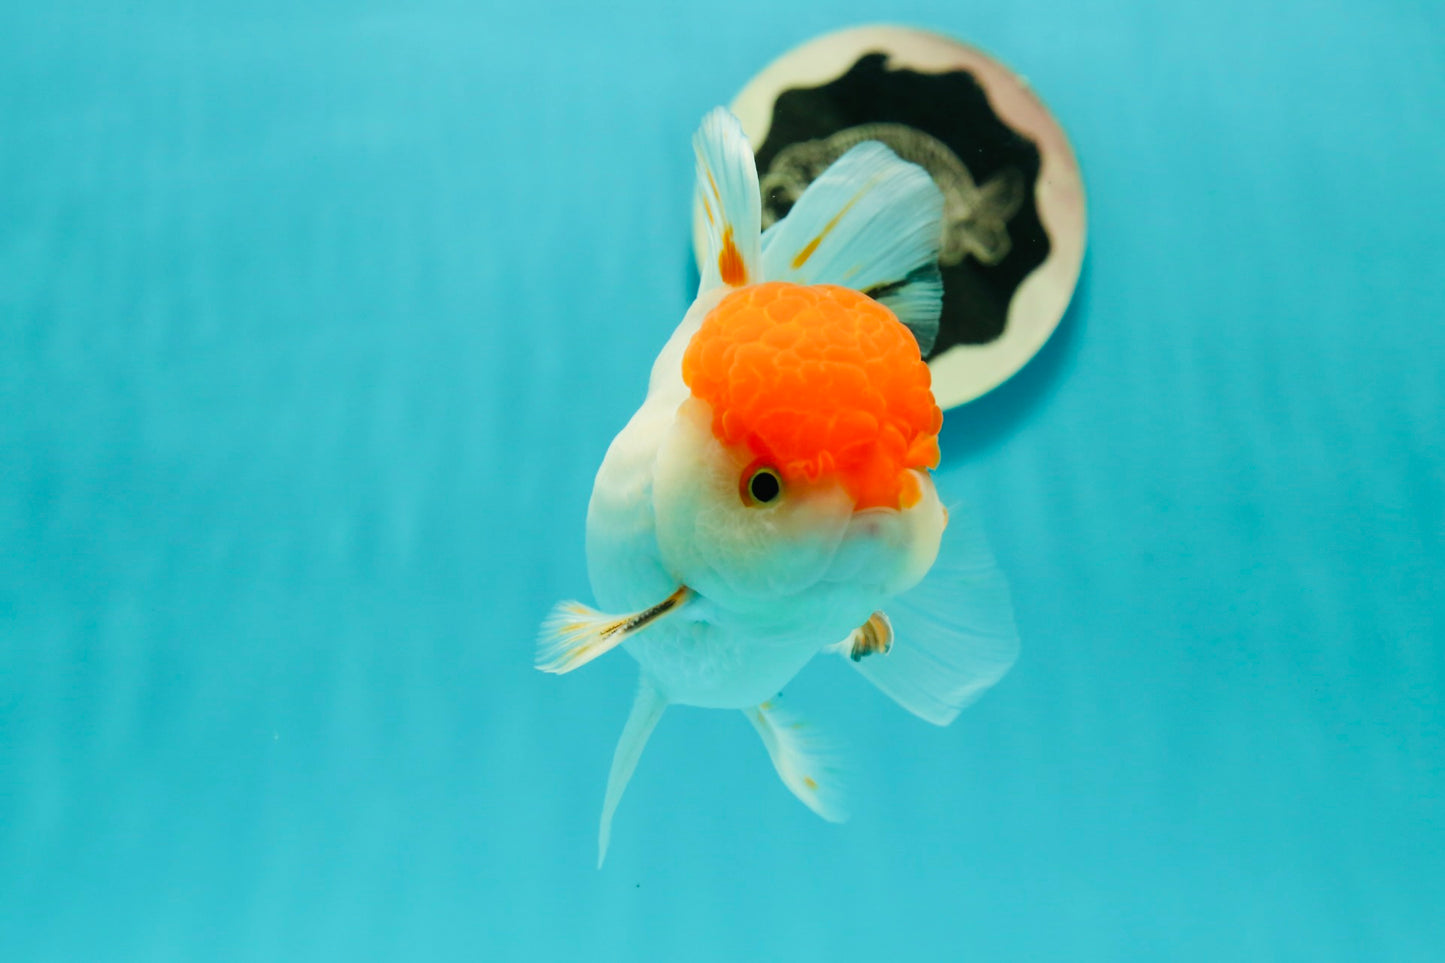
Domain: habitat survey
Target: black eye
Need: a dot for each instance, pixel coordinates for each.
(764, 486)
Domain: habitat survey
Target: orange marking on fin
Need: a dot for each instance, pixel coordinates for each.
(812, 246)
(730, 262)
(809, 248)
(810, 782)
(707, 209)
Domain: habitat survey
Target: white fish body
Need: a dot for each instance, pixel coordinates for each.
(707, 655)
(730, 599)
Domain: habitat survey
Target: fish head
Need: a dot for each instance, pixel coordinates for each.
(800, 456)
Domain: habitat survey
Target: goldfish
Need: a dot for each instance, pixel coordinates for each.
(772, 499)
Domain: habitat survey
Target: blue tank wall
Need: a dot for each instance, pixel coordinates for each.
(315, 323)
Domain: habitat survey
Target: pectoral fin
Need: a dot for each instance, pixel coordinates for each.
(574, 634)
(874, 637)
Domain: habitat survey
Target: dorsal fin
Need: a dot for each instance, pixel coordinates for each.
(871, 222)
(727, 191)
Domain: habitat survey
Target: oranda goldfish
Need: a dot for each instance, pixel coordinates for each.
(772, 497)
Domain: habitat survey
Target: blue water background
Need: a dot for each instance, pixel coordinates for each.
(316, 319)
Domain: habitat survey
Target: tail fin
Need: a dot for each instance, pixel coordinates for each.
(954, 633)
(727, 190)
(870, 222)
(647, 708)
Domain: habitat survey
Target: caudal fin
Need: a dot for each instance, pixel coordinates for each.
(871, 222)
(647, 707)
(954, 633)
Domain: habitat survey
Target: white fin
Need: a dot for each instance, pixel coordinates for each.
(727, 190)
(573, 634)
(954, 633)
(647, 708)
(870, 222)
(807, 763)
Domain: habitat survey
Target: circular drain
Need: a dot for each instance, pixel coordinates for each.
(1013, 239)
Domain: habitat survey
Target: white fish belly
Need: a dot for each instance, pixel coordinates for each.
(702, 664)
